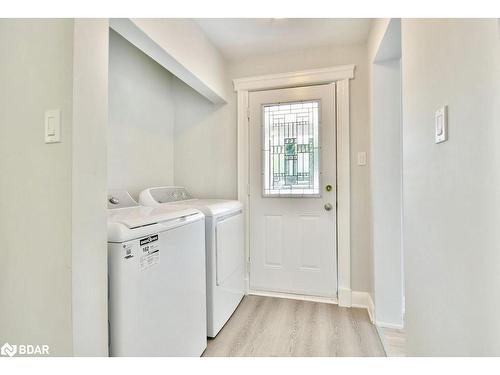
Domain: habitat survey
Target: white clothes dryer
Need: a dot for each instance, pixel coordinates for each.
(225, 251)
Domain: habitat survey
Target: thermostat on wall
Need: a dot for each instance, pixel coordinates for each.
(441, 123)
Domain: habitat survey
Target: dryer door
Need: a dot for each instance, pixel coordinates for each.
(230, 256)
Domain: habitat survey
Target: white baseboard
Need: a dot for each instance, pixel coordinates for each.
(299, 297)
(364, 300)
(349, 298)
(345, 297)
(389, 325)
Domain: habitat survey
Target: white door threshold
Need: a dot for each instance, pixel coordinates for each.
(300, 297)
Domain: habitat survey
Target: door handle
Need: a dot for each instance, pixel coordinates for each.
(328, 206)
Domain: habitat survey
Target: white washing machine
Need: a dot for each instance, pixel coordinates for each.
(225, 251)
(157, 291)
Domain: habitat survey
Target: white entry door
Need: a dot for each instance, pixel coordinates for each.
(292, 180)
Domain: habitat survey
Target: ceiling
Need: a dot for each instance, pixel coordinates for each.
(238, 38)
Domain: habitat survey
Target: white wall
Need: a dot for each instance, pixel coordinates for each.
(384, 49)
(387, 192)
(35, 184)
(377, 31)
(361, 254)
(181, 47)
(141, 120)
(163, 132)
(89, 188)
(205, 144)
(53, 287)
(450, 191)
(201, 57)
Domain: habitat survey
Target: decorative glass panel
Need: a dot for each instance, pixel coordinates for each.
(291, 149)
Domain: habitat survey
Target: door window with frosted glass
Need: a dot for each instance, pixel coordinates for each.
(291, 149)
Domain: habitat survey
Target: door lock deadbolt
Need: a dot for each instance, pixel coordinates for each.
(328, 187)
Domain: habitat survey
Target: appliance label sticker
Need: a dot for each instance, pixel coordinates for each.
(150, 252)
(128, 251)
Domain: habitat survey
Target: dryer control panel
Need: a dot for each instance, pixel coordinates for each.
(170, 194)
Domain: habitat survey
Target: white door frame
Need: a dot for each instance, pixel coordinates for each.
(340, 75)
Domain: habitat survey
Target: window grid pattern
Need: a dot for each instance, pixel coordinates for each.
(291, 149)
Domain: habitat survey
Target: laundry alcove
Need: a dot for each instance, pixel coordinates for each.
(164, 132)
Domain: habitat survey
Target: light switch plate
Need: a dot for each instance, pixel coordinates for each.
(362, 158)
(441, 124)
(53, 126)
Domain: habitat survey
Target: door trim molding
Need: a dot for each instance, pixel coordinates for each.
(343, 194)
(299, 78)
(339, 75)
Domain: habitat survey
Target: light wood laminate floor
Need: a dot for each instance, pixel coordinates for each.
(395, 342)
(270, 327)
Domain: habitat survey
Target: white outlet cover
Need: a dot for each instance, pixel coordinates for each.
(362, 158)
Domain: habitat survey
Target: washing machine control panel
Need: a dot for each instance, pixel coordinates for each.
(120, 199)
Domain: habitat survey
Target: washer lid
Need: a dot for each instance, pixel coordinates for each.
(134, 217)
